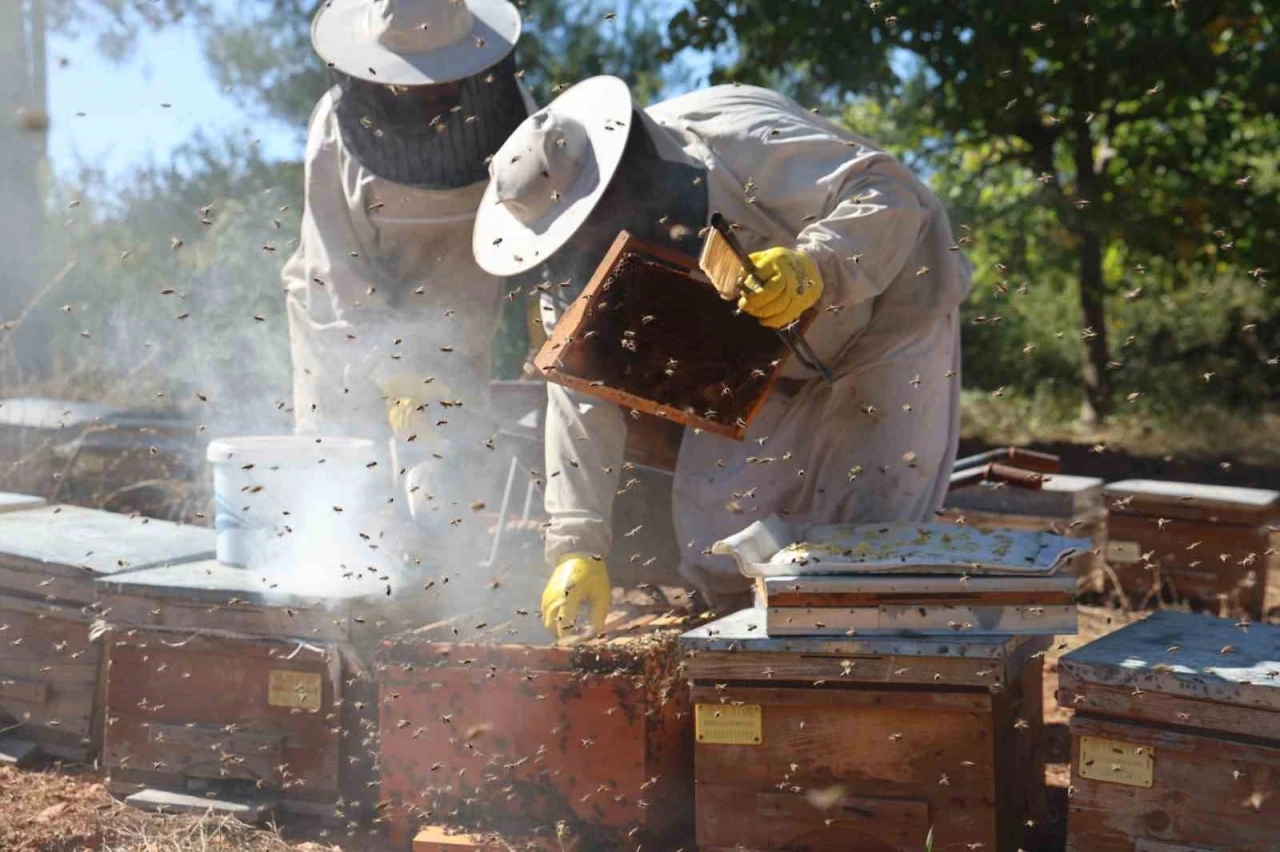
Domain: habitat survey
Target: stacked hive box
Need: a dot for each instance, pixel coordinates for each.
(1175, 737)
(1066, 505)
(1206, 544)
(854, 745)
(482, 733)
(50, 667)
(245, 692)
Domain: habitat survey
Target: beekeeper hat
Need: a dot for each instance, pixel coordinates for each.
(548, 176)
(414, 42)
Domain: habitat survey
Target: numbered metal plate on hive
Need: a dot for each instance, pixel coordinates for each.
(1123, 552)
(1116, 762)
(294, 690)
(727, 724)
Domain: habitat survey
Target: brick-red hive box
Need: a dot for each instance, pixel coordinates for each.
(516, 738)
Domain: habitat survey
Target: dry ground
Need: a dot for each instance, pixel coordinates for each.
(67, 809)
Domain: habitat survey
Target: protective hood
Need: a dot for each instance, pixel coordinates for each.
(400, 137)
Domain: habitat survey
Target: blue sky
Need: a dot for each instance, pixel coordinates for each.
(124, 124)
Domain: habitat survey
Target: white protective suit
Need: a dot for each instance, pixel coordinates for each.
(878, 445)
(367, 244)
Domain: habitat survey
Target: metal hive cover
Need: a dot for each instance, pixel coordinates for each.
(1174, 493)
(71, 541)
(212, 582)
(1192, 656)
(772, 548)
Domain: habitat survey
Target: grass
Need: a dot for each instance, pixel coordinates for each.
(1205, 432)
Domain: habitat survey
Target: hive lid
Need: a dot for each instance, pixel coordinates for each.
(213, 582)
(1059, 496)
(1193, 500)
(772, 547)
(10, 502)
(1195, 657)
(58, 550)
(744, 632)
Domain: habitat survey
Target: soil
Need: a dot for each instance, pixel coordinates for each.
(665, 337)
(1113, 465)
(58, 808)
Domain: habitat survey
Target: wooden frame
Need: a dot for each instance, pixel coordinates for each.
(571, 325)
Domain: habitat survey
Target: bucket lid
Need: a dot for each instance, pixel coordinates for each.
(263, 449)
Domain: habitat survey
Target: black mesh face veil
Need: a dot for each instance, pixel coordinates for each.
(658, 200)
(435, 137)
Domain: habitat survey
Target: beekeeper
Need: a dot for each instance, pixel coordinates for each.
(387, 308)
(834, 223)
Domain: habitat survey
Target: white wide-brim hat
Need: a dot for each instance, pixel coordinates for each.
(549, 175)
(414, 42)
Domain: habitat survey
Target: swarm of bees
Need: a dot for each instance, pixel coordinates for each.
(392, 718)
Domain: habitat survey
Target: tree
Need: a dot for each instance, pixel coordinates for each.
(22, 142)
(1127, 124)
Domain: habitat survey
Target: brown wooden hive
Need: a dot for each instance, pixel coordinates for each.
(864, 745)
(51, 665)
(514, 738)
(1175, 741)
(1211, 546)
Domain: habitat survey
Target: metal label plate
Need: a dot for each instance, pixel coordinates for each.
(294, 689)
(727, 724)
(1116, 762)
(1123, 551)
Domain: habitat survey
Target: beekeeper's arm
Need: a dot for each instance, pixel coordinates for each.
(584, 448)
(856, 211)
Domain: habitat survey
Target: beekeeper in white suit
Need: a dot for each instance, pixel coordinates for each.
(387, 308)
(834, 223)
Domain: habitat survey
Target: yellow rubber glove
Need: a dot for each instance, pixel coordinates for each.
(793, 285)
(579, 579)
(406, 398)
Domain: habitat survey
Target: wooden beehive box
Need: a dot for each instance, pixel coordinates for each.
(1204, 544)
(1175, 737)
(855, 745)
(50, 668)
(226, 686)
(650, 334)
(484, 734)
(1065, 505)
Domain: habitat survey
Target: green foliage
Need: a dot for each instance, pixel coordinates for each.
(1090, 151)
(260, 52)
(135, 258)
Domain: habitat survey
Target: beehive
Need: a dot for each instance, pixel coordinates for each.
(1209, 545)
(1175, 737)
(1066, 505)
(227, 686)
(50, 668)
(486, 731)
(853, 745)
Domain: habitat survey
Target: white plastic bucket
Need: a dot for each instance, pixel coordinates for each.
(277, 498)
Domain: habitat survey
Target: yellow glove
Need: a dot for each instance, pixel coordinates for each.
(793, 285)
(406, 398)
(578, 579)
